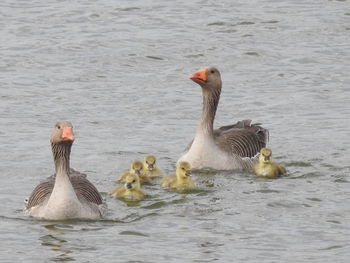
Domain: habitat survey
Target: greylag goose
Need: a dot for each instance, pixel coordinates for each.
(266, 167)
(68, 194)
(131, 190)
(181, 180)
(229, 147)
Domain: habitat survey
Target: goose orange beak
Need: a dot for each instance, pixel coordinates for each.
(199, 77)
(67, 134)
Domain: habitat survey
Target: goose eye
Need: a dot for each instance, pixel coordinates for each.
(58, 127)
(212, 71)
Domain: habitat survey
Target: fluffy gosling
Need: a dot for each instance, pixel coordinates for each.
(131, 190)
(266, 168)
(136, 167)
(181, 180)
(150, 168)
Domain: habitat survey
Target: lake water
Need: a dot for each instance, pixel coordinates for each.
(118, 70)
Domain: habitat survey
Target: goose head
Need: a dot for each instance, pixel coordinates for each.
(183, 170)
(265, 155)
(208, 78)
(149, 162)
(62, 133)
(132, 182)
(136, 167)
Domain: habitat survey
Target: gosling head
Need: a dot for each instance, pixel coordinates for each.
(149, 162)
(62, 133)
(208, 78)
(136, 167)
(265, 155)
(132, 182)
(183, 170)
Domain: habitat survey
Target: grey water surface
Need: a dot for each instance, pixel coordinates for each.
(118, 70)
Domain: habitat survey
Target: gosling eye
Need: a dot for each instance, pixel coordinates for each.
(134, 181)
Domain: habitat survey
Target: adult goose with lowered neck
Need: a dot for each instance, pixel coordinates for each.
(68, 194)
(229, 147)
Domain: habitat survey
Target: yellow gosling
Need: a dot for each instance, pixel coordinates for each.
(181, 180)
(266, 168)
(150, 168)
(135, 168)
(131, 190)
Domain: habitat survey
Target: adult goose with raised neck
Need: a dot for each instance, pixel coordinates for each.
(229, 147)
(68, 194)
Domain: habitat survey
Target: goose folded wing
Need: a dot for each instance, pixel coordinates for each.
(83, 188)
(243, 138)
(41, 192)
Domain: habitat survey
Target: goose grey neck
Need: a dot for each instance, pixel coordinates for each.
(210, 103)
(61, 154)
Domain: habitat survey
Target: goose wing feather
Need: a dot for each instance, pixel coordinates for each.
(84, 189)
(242, 138)
(41, 192)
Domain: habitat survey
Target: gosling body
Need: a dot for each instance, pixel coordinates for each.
(131, 190)
(135, 168)
(266, 167)
(150, 168)
(181, 180)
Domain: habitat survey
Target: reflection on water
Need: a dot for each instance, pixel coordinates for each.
(55, 242)
(133, 233)
(67, 250)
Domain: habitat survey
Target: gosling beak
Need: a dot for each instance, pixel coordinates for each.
(67, 134)
(199, 77)
(128, 185)
(138, 172)
(266, 158)
(150, 167)
(188, 173)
